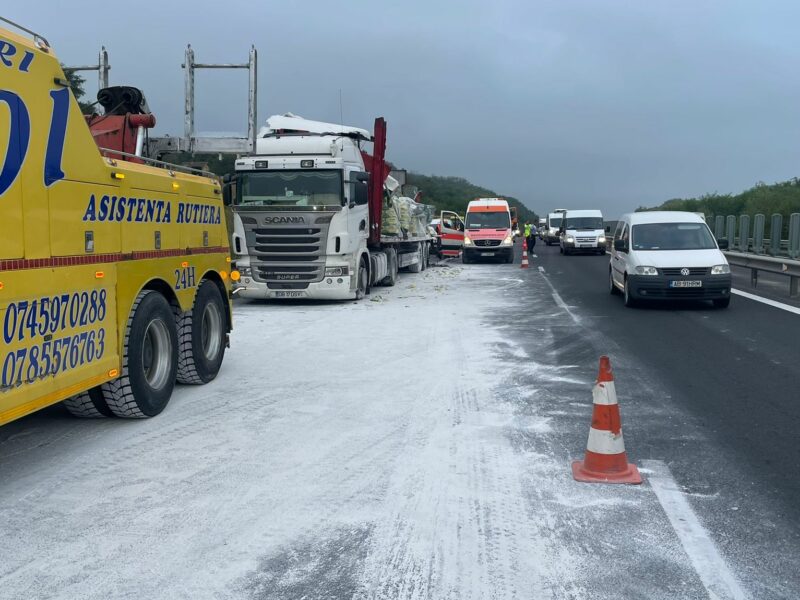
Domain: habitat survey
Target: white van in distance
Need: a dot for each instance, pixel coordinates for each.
(583, 231)
(668, 255)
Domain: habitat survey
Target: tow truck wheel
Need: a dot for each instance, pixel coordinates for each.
(363, 280)
(149, 360)
(201, 336)
(88, 405)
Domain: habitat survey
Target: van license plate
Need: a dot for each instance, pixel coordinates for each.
(685, 284)
(487, 253)
(290, 294)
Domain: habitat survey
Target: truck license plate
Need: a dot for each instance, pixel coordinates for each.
(685, 284)
(290, 294)
(487, 253)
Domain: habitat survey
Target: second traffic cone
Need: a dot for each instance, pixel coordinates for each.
(524, 263)
(605, 460)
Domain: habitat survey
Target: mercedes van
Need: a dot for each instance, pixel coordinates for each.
(668, 255)
(488, 231)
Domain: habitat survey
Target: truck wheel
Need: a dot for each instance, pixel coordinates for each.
(363, 280)
(391, 260)
(426, 256)
(149, 360)
(417, 266)
(201, 336)
(628, 300)
(88, 405)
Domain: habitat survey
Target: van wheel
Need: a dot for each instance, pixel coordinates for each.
(149, 360)
(201, 336)
(722, 302)
(612, 287)
(628, 299)
(363, 280)
(88, 405)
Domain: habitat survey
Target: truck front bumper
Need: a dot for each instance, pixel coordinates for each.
(330, 288)
(471, 252)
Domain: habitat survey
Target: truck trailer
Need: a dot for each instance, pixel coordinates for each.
(317, 217)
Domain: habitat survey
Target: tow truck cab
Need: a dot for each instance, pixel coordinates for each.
(488, 230)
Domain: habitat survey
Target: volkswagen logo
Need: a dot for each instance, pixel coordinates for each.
(684, 271)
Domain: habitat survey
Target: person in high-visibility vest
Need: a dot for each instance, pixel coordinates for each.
(529, 236)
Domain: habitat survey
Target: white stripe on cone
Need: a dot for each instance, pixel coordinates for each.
(605, 442)
(604, 393)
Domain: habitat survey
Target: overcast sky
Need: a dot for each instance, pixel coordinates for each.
(580, 104)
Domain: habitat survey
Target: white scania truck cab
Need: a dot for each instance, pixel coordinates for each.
(308, 209)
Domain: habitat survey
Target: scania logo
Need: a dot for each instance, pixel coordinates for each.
(273, 220)
(684, 271)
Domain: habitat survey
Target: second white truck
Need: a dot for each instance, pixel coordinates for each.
(317, 217)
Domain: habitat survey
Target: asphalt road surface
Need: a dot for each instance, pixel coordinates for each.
(418, 445)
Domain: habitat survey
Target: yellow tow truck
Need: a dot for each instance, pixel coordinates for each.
(114, 270)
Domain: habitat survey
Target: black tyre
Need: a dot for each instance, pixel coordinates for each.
(464, 258)
(391, 260)
(362, 284)
(88, 405)
(612, 288)
(426, 255)
(417, 266)
(149, 360)
(722, 302)
(628, 299)
(201, 336)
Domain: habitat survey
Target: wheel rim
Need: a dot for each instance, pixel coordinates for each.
(211, 331)
(156, 354)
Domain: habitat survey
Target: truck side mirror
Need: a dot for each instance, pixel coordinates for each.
(620, 246)
(723, 243)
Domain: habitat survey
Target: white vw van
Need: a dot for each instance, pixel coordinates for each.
(668, 255)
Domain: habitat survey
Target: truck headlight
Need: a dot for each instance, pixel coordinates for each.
(646, 271)
(467, 241)
(336, 271)
(720, 269)
(569, 239)
(601, 239)
(508, 241)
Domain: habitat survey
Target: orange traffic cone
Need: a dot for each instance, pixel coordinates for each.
(524, 264)
(605, 460)
(525, 245)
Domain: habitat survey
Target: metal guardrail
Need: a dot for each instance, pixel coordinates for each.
(746, 239)
(768, 264)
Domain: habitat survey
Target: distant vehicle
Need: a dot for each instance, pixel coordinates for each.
(582, 231)
(552, 226)
(450, 229)
(488, 231)
(666, 254)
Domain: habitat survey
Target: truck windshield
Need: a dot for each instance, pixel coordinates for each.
(555, 222)
(584, 222)
(488, 220)
(291, 189)
(672, 236)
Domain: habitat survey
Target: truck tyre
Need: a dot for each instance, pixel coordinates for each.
(464, 257)
(628, 300)
(201, 336)
(417, 266)
(426, 256)
(391, 265)
(149, 360)
(88, 405)
(362, 284)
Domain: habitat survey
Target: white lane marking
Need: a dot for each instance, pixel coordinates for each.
(559, 300)
(714, 572)
(775, 303)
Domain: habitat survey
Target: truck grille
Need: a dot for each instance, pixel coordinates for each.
(585, 239)
(286, 257)
(485, 243)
